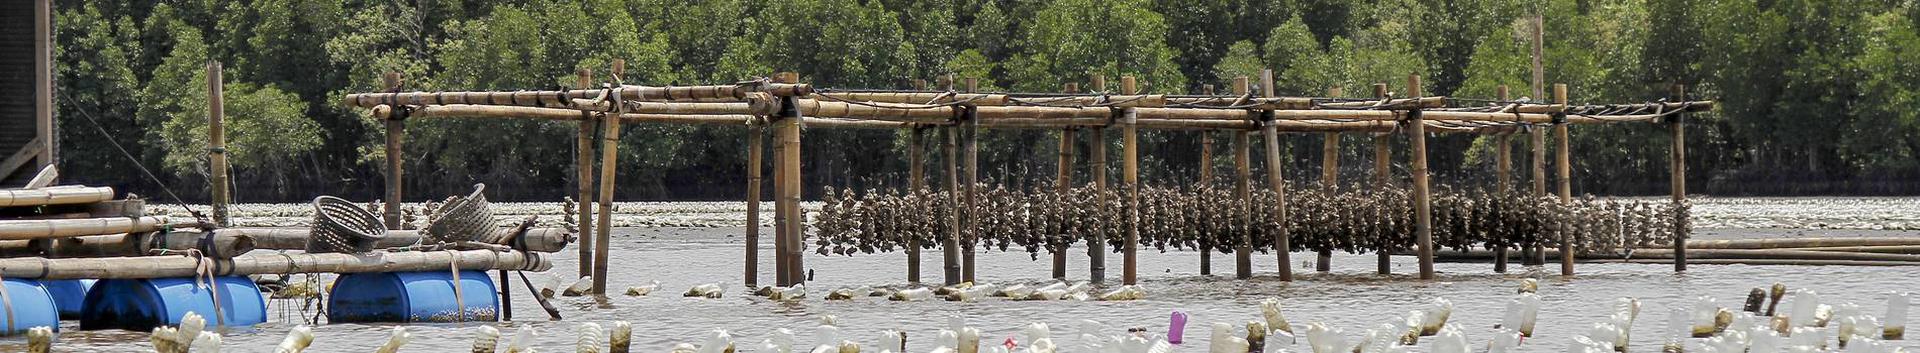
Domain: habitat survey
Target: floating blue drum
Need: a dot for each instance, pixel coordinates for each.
(70, 295)
(143, 304)
(413, 297)
(27, 305)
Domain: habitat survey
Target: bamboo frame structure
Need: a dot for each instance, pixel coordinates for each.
(186, 266)
(960, 114)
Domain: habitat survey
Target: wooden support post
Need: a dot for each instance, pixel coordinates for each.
(1329, 179)
(1382, 177)
(1504, 154)
(396, 126)
(782, 275)
(1064, 185)
(756, 144)
(970, 131)
(1564, 174)
(609, 165)
(1097, 246)
(1206, 182)
(917, 182)
(217, 143)
(1097, 83)
(1282, 245)
(788, 133)
(43, 42)
(583, 170)
(1242, 190)
(1682, 227)
(1130, 176)
(950, 250)
(1422, 192)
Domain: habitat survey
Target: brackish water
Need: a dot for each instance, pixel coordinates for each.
(1351, 297)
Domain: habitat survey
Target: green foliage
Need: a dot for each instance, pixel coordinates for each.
(1070, 39)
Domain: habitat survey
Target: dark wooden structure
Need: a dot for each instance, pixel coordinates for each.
(27, 138)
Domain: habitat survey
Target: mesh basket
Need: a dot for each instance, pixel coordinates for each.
(462, 219)
(339, 226)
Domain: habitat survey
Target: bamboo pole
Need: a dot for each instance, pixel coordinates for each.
(609, 157)
(54, 196)
(1206, 181)
(28, 229)
(709, 94)
(217, 143)
(1810, 242)
(917, 182)
(950, 250)
(1130, 179)
(781, 274)
(225, 244)
(396, 128)
(788, 134)
(1422, 194)
(1682, 229)
(1063, 185)
(1382, 177)
(1282, 246)
(970, 180)
(1242, 190)
(186, 266)
(584, 173)
(756, 145)
(1097, 248)
(1329, 179)
(1504, 154)
(1564, 172)
(547, 240)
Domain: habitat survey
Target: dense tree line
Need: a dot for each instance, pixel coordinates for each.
(1818, 96)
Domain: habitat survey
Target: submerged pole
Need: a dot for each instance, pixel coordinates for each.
(916, 174)
(1564, 174)
(789, 134)
(756, 144)
(1422, 192)
(1681, 228)
(972, 177)
(1206, 182)
(583, 179)
(950, 250)
(1242, 190)
(609, 162)
(1504, 167)
(1329, 179)
(217, 142)
(1130, 175)
(1282, 245)
(1382, 177)
(1063, 185)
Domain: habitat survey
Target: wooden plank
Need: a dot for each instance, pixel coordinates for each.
(21, 157)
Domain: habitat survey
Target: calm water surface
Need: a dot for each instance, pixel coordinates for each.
(1351, 297)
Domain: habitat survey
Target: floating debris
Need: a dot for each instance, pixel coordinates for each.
(644, 290)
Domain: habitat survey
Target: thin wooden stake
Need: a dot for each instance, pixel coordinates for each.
(1242, 190)
(1205, 182)
(917, 174)
(1681, 230)
(1564, 173)
(1422, 203)
(1329, 179)
(1063, 185)
(1504, 152)
(970, 178)
(1282, 245)
(950, 251)
(217, 143)
(756, 145)
(1097, 248)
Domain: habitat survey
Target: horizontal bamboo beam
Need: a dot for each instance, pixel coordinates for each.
(1253, 103)
(536, 239)
(1775, 243)
(1391, 104)
(875, 111)
(132, 244)
(991, 113)
(915, 97)
(54, 196)
(751, 107)
(558, 98)
(60, 228)
(184, 266)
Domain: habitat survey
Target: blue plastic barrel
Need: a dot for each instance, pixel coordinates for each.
(143, 304)
(70, 295)
(29, 306)
(413, 297)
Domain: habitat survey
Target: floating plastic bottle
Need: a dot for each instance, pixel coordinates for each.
(1177, 328)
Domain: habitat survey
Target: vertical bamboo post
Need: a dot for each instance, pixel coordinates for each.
(1504, 154)
(950, 250)
(1097, 83)
(789, 135)
(1564, 175)
(1206, 182)
(1382, 177)
(217, 142)
(782, 275)
(1130, 177)
(1422, 202)
(1242, 191)
(396, 126)
(1282, 245)
(1329, 179)
(609, 158)
(1097, 159)
(756, 145)
(972, 177)
(1063, 185)
(583, 170)
(1681, 228)
(916, 174)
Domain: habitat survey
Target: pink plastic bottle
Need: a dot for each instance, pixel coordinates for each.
(1177, 328)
